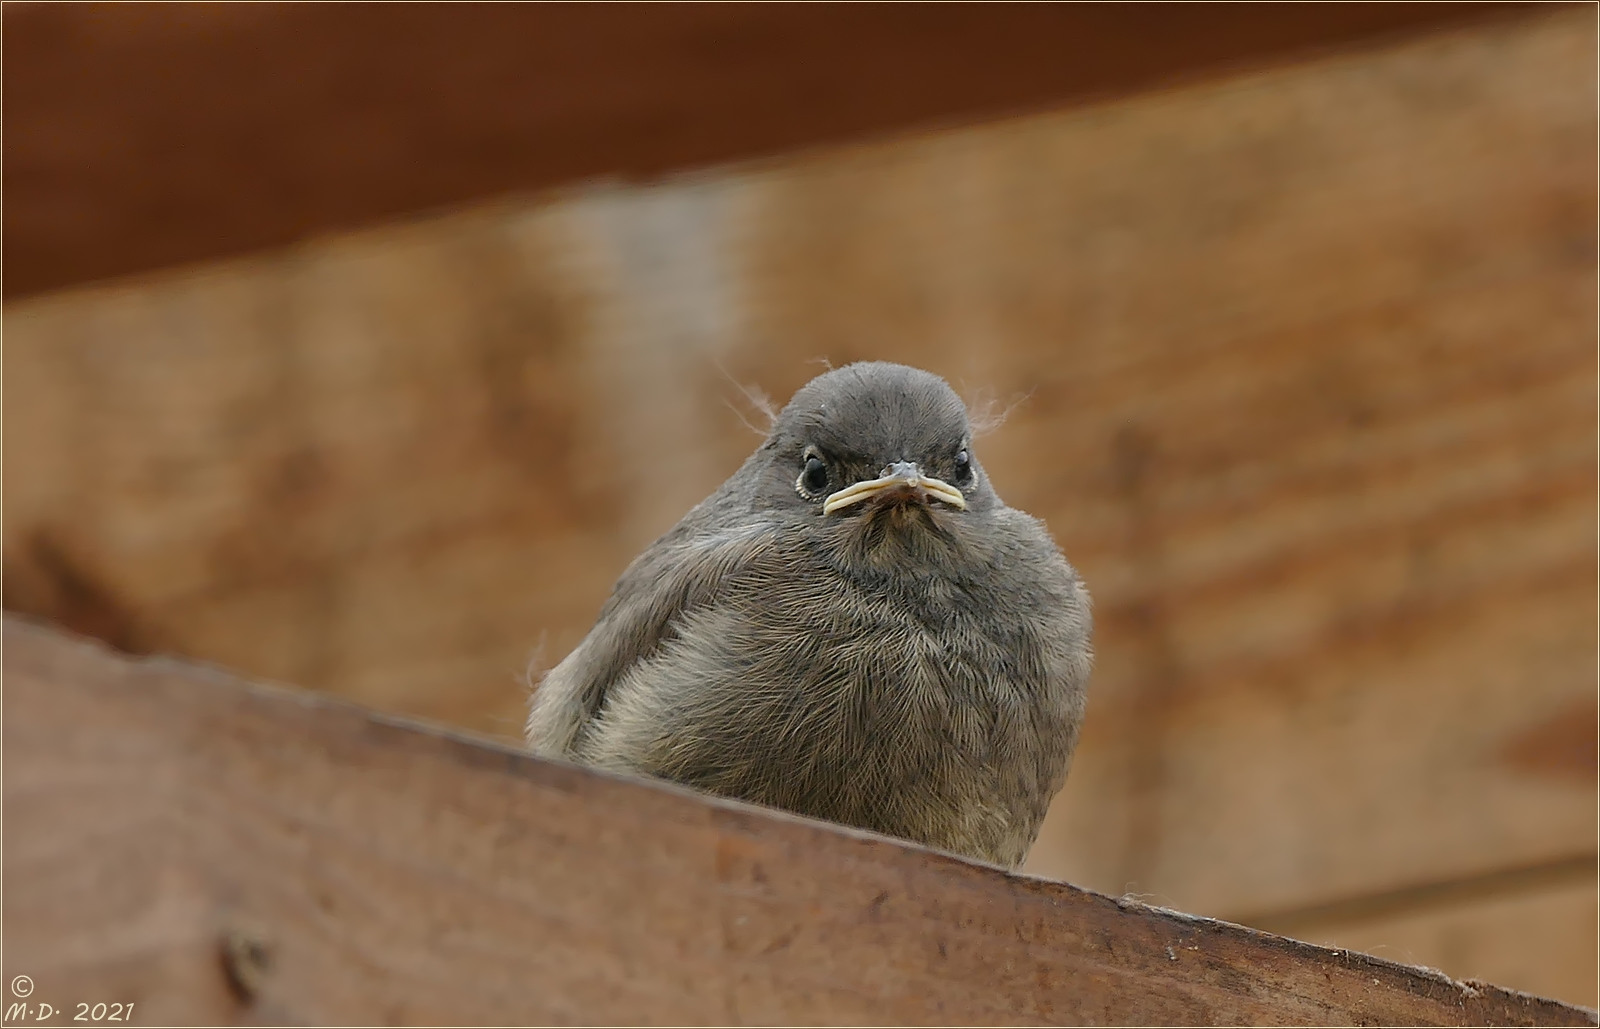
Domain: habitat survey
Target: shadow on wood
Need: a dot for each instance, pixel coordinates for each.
(213, 851)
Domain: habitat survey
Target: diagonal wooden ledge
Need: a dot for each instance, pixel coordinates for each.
(215, 851)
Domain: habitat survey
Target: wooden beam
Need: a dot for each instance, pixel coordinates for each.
(196, 845)
(140, 136)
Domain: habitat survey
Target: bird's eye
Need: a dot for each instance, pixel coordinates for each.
(814, 477)
(963, 468)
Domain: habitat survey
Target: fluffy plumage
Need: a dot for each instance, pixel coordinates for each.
(912, 661)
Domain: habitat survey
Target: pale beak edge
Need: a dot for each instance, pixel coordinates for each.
(861, 491)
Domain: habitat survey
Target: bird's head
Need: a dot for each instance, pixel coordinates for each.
(874, 447)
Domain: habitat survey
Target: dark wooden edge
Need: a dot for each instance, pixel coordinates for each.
(1020, 948)
(140, 136)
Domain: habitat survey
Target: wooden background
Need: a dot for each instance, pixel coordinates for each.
(142, 136)
(1303, 373)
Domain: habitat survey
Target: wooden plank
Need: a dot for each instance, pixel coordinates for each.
(139, 137)
(1340, 531)
(359, 870)
(1540, 937)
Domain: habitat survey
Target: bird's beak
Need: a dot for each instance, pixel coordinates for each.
(902, 475)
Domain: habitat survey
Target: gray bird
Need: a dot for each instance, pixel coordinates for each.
(853, 627)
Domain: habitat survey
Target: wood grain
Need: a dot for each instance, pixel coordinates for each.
(358, 870)
(1310, 367)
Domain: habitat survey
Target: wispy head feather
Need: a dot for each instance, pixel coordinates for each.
(986, 412)
(756, 399)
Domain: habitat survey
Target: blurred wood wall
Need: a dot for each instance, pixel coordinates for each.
(1301, 373)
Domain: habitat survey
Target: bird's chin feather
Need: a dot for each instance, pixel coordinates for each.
(900, 532)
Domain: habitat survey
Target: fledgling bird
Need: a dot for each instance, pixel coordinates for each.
(854, 627)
